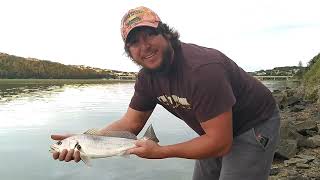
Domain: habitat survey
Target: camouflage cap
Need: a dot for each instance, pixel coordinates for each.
(140, 16)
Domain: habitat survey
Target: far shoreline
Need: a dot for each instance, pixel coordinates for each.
(64, 81)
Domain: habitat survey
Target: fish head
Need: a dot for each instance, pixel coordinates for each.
(68, 143)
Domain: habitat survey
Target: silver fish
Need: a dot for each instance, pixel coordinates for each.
(91, 145)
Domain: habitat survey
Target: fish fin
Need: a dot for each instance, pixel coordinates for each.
(85, 159)
(120, 134)
(92, 131)
(150, 134)
(125, 154)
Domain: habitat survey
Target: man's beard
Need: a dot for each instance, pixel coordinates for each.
(165, 63)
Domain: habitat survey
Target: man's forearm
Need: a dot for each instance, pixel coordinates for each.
(121, 125)
(197, 148)
(132, 121)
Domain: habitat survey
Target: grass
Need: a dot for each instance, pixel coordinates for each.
(312, 81)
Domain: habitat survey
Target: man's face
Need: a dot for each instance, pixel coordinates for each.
(150, 49)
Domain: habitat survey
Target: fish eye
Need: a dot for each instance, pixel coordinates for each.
(59, 143)
(78, 147)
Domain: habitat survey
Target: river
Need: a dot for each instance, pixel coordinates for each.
(30, 113)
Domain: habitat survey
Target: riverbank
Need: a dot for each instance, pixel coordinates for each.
(62, 81)
(298, 153)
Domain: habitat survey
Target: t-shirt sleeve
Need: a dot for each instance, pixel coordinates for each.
(212, 92)
(142, 100)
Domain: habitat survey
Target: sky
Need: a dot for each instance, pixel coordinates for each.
(256, 34)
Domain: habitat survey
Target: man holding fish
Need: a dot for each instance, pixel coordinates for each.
(234, 114)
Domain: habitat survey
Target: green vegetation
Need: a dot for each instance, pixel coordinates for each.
(61, 81)
(14, 67)
(280, 71)
(311, 79)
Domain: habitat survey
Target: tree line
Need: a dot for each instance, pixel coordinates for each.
(13, 67)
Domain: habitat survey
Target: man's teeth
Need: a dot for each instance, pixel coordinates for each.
(149, 56)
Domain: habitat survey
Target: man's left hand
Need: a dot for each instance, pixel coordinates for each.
(147, 149)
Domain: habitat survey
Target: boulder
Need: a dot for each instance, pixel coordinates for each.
(297, 108)
(293, 100)
(314, 141)
(281, 99)
(303, 126)
(287, 148)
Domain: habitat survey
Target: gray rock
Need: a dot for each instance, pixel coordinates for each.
(295, 161)
(311, 132)
(292, 173)
(314, 175)
(302, 166)
(277, 178)
(305, 142)
(273, 178)
(276, 91)
(281, 99)
(293, 101)
(316, 162)
(274, 171)
(317, 116)
(314, 141)
(297, 108)
(302, 156)
(303, 126)
(287, 148)
(288, 130)
(298, 177)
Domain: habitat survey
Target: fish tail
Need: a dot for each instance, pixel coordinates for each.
(150, 134)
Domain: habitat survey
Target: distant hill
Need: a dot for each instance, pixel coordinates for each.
(14, 67)
(280, 71)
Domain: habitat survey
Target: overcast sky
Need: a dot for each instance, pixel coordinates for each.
(256, 34)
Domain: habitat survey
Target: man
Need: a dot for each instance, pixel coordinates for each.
(234, 114)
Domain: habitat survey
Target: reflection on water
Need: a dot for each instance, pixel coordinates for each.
(46, 102)
(280, 85)
(15, 91)
(30, 113)
(10, 92)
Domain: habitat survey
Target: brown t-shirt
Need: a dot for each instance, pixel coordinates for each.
(201, 84)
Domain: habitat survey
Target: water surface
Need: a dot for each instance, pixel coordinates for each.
(30, 113)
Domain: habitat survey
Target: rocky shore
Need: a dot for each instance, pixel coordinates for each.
(298, 153)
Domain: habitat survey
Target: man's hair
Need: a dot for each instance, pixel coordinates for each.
(167, 32)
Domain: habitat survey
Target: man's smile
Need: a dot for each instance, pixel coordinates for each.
(149, 56)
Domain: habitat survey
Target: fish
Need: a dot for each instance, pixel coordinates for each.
(92, 145)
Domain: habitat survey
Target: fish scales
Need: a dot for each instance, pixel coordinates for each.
(92, 145)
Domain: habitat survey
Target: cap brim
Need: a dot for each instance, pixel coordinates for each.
(148, 24)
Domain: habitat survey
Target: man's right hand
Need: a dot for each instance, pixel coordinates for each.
(65, 155)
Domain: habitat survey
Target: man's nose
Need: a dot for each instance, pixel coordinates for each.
(144, 43)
